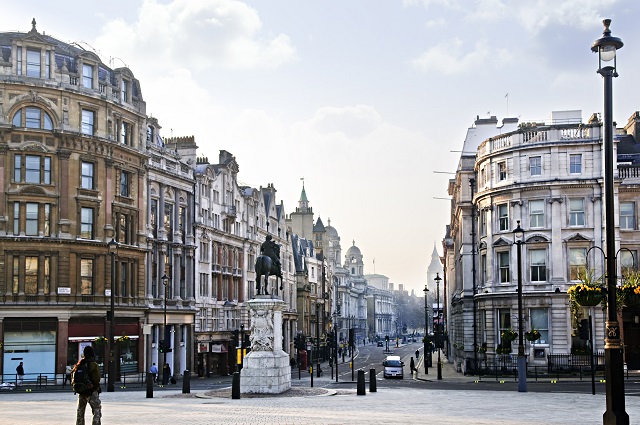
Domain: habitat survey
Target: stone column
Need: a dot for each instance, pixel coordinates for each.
(266, 368)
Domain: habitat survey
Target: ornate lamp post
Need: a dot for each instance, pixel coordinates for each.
(518, 236)
(606, 46)
(437, 331)
(113, 248)
(426, 330)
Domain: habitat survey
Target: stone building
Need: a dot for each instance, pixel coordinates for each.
(73, 136)
(548, 177)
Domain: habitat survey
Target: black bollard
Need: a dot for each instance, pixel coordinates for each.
(361, 388)
(186, 382)
(372, 381)
(235, 386)
(149, 385)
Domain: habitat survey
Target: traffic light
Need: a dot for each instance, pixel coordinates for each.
(298, 342)
(164, 347)
(330, 340)
(351, 337)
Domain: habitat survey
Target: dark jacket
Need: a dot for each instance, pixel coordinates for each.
(94, 372)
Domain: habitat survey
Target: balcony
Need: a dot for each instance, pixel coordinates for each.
(229, 211)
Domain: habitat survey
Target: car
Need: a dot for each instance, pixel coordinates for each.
(380, 344)
(393, 367)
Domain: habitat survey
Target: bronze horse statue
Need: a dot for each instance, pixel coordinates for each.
(266, 267)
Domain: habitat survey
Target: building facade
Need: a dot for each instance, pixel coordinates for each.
(547, 177)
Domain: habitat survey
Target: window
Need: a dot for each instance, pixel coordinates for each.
(47, 219)
(16, 218)
(483, 270)
(37, 169)
(536, 214)
(153, 217)
(33, 63)
(87, 175)
(577, 263)
(19, 61)
(538, 265)
(87, 76)
(503, 217)
(576, 212)
(31, 275)
(504, 321)
(125, 91)
(483, 222)
(123, 228)
(32, 219)
(502, 171)
(204, 251)
(204, 285)
(34, 117)
(86, 223)
(503, 266)
(87, 122)
(627, 215)
(540, 322)
(168, 220)
(125, 183)
(86, 276)
(575, 163)
(125, 133)
(535, 165)
(47, 65)
(16, 275)
(124, 267)
(627, 260)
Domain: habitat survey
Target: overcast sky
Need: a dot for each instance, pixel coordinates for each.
(367, 100)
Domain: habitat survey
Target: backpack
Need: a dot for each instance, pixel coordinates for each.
(81, 378)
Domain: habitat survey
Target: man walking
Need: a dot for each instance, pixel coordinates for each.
(88, 366)
(154, 372)
(20, 373)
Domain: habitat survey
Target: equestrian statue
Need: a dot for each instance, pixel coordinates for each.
(267, 264)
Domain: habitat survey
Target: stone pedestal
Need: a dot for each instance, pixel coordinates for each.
(266, 368)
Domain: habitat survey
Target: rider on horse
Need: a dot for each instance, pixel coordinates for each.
(272, 250)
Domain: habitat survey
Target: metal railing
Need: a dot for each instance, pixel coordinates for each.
(60, 380)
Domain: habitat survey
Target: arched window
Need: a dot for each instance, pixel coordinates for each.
(32, 117)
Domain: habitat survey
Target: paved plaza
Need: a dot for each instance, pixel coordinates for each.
(387, 406)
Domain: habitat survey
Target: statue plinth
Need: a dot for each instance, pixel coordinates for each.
(266, 368)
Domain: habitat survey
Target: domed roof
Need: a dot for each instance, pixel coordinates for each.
(331, 232)
(354, 251)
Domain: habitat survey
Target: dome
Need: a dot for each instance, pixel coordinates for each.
(331, 232)
(354, 251)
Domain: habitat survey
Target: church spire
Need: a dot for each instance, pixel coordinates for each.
(303, 203)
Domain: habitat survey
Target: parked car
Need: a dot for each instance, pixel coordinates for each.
(380, 344)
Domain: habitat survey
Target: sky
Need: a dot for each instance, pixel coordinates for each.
(368, 100)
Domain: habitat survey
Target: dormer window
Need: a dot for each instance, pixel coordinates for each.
(33, 63)
(87, 76)
(125, 90)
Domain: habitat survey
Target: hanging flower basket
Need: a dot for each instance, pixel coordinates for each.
(504, 349)
(508, 335)
(100, 341)
(630, 289)
(586, 295)
(533, 335)
(123, 341)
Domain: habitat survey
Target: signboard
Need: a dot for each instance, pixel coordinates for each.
(107, 292)
(308, 346)
(203, 347)
(64, 291)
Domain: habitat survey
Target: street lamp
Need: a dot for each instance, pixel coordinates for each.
(425, 339)
(518, 236)
(606, 47)
(165, 344)
(438, 334)
(113, 247)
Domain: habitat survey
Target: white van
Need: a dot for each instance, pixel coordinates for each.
(393, 367)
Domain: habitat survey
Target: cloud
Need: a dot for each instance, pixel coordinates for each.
(197, 35)
(354, 122)
(452, 57)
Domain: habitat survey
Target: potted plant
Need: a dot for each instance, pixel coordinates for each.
(532, 335)
(99, 342)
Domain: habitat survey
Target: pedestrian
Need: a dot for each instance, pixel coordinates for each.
(20, 373)
(92, 396)
(67, 374)
(166, 373)
(412, 365)
(417, 354)
(154, 372)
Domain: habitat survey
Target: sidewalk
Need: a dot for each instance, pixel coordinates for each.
(388, 405)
